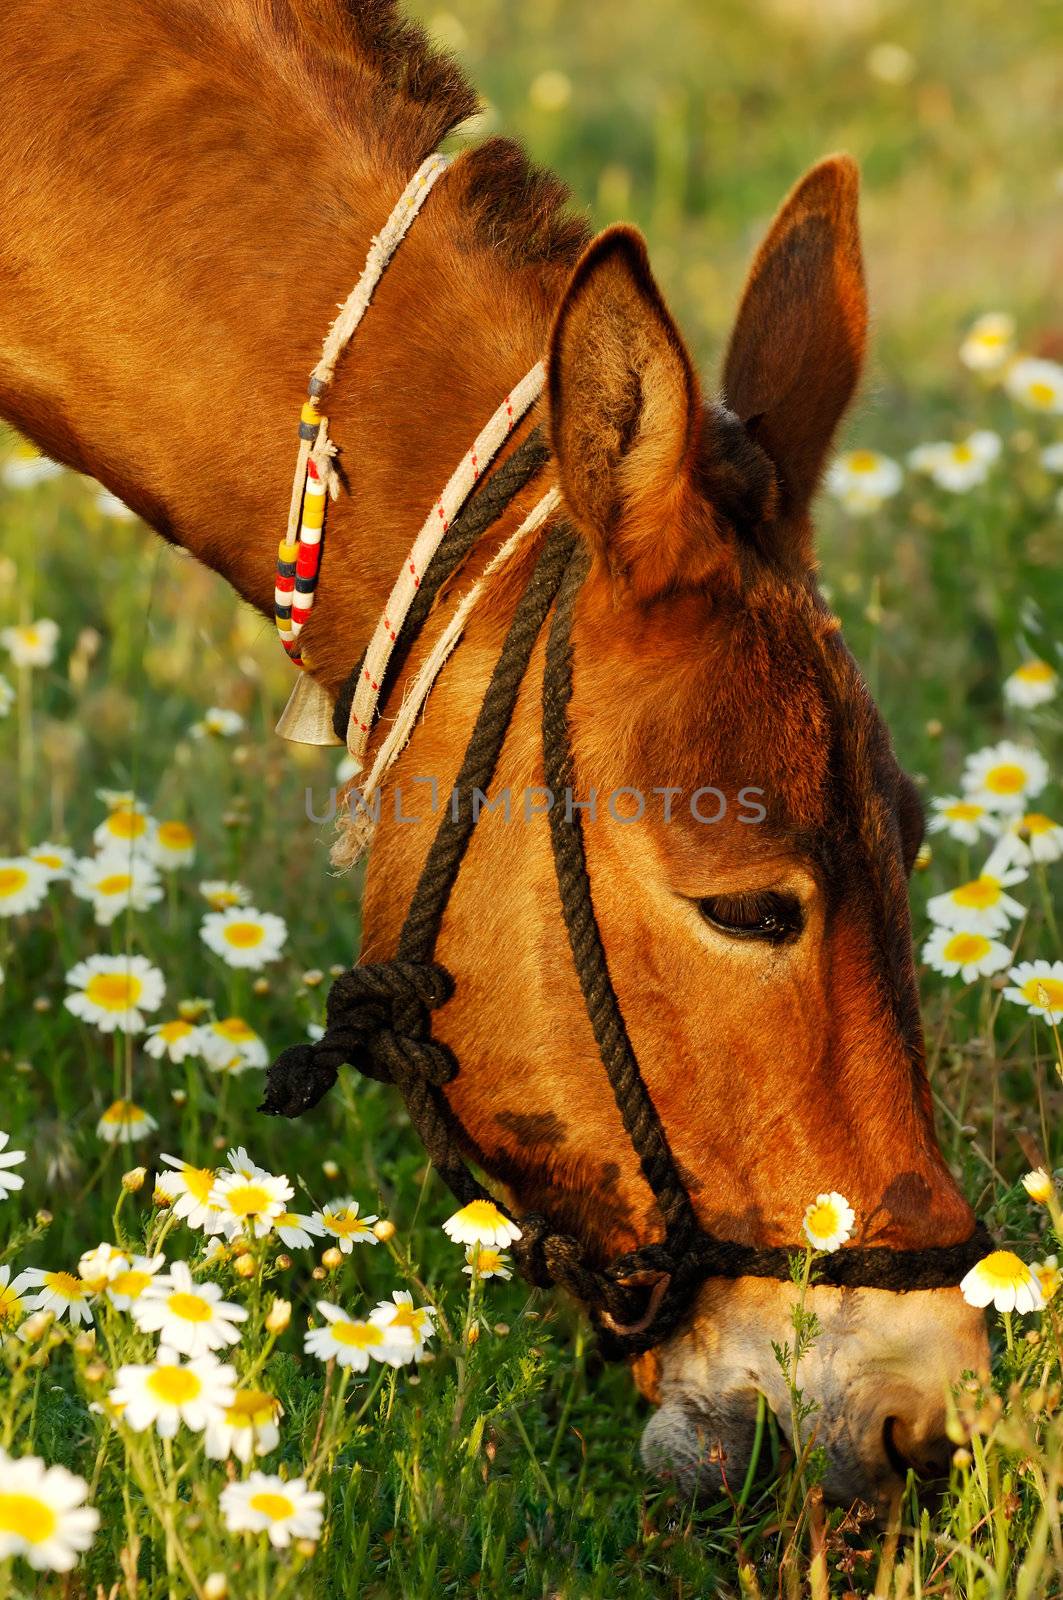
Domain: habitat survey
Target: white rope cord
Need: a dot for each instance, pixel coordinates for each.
(359, 828)
(442, 514)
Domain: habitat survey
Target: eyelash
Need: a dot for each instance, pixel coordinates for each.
(770, 917)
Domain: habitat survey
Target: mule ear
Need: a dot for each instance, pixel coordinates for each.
(624, 412)
(798, 345)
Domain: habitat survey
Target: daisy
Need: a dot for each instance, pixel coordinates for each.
(247, 1427)
(122, 800)
(189, 1317)
(1033, 838)
(863, 479)
(127, 1285)
(484, 1262)
(957, 467)
(43, 1515)
(31, 644)
(1000, 1279)
(12, 1305)
(126, 830)
(340, 1219)
(1031, 685)
(244, 937)
(481, 1222)
(56, 859)
(25, 467)
(23, 885)
(1004, 776)
(1052, 457)
(7, 695)
(166, 1393)
(231, 1045)
(175, 1040)
(114, 992)
(222, 896)
(296, 1231)
(9, 1181)
(173, 845)
(250, 1203)
(828, 1221)
(1038, 985)
(1038, 1185)
(217, 723)
(988, 342)
(99, 1265)
(189, 1189)
(350, 1342)
(1048, 1276)
(962, 820)
(283, 1510)
(980, 906)
(124, 1123)
(58, 1292)
(115, 884)
(955, 951)
(404, 1321)
(1037, 384)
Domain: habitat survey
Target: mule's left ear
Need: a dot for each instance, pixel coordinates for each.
(624, 415)
(798, 346)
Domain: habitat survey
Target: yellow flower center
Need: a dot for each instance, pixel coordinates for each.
(114, 991)
(244, 935)
(978, 895)
(1050, 997)
(250, 1409)
(487, 1260)
(10, 1304)
(1041, 393)
(175, 835)
(863, 461)
(46, 860)
(66, 1284)
(174, 1386)
(1035, 822)
(413, 1317)
(481, 1214)
(12, 879)
(357, 1335)
(1049, 1278)
(125, 823)
(30, 1518)
(962, 453)
(177, 1029)
(344, 1223)
(235, 1029)
(274, 1506)
(189, 1307)
(29, 635)
(1008, 778)
(1002, 1269)
(248, 1200)
(822, 1220)
(964, 811)
(131, 1283)
(122, 1111)
(1035, 672)
(992, 341)
(199, 1181)
(964, 947)
(116, 883)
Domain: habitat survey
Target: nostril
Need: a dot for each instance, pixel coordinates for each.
(927, 1458)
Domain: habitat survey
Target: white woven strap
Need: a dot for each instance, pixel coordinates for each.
(442, 514)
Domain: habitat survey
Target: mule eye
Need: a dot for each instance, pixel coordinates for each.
(768, 916)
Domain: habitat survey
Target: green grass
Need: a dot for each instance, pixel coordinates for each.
(509, 1465)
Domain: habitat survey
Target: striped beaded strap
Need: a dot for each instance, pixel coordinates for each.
(299, 553)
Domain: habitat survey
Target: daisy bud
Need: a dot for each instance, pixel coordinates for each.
(330, 1169)
(95, 1372)
(278, 1316)
(215, 1586)
(85, 1343)
(961, 1458)
(501, 1328)
(192, 1010)
(284, 1261)
(261, 986)
(133, 1180)
(473, 1334)
(313, 978)
(305, 1547)
(934, 728)
(384, 1230)
(160, 1198)
(923, 857)
(244, 1266)
(179, 1096)
(1038, 1185)
(42, 1003)
(44, 1219)
(332, 1258)
(36, 1325)
(336, 971)
(318, 1274)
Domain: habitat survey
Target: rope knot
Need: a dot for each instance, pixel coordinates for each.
(378, 1021)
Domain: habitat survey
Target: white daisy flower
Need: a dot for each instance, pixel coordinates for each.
(828, 1221)
(1027, 840)
(23, 885)
(863, 479)
(250, 1204)
(988, 342)
(9, 1181)
(239, 1161)
(340, 1220)
(402, 1320)
(246, 1428)
(127, 1285)
(175, 1040)
(955, 951)
(31, 644)
(958, 467)
(1048, 1276)
(963, 820)
(12, 1304)
(482, 1262)
(980, 906)
(114, 992)
(189, 1190)
(43, 1515)
(1000, 1279)
(56, 859)
(189, 1317)
(1038, 1185)
(281, 1509)
(173, 845)
(350, 1342)
(244, 937)
(165, 1393)
(1032, 684)
(217, 723)
(98, 1265)
(231, 1045)
(223, 896)
(58, 1292)
(1038, 985)
(124, 1122)
(114, 884)
(7, 695)
(1052, 457)
(1004, 776)
(481, 1222)
(25, 467)
(126, 831)
(1036, 384)
(297, 1232)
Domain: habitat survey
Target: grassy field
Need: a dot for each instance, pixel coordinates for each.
(507, 1463)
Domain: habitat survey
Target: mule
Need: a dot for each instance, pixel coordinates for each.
(188, 188)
